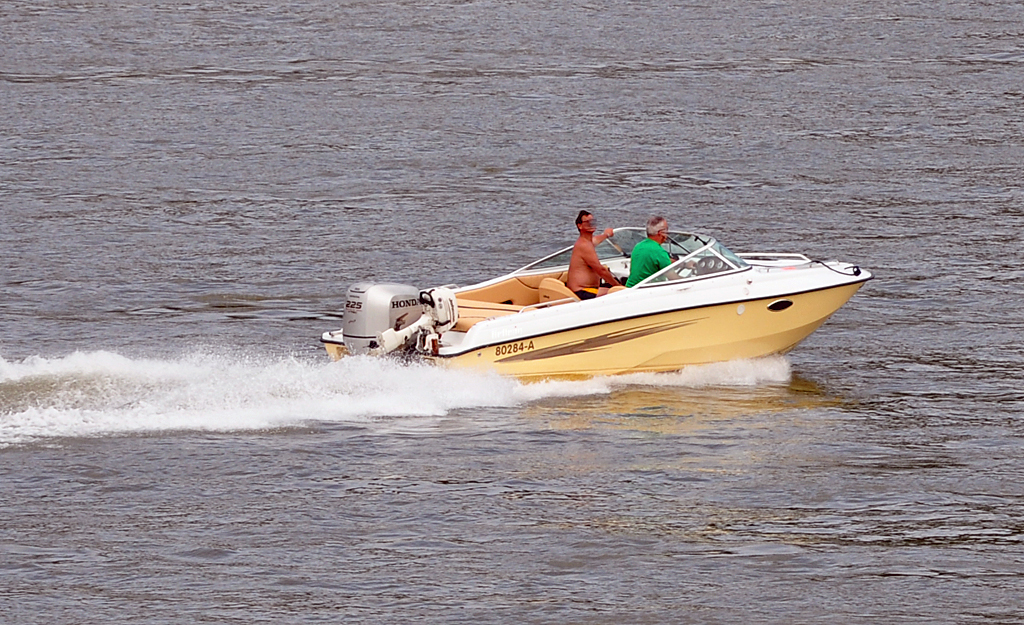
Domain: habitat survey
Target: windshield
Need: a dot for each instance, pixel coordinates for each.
(621, 245)
(708, 259)
(605, 251)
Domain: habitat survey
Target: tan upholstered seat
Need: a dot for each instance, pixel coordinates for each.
(472, 312)
(553, 290)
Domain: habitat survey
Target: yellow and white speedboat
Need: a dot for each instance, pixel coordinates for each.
(710, 305)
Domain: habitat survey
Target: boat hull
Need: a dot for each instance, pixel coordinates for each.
(664, 341)
(335, 349)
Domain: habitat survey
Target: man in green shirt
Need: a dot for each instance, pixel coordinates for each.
(648, 256)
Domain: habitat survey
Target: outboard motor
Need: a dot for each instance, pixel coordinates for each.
(371, 309)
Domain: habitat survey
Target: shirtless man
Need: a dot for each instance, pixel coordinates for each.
(588, 278)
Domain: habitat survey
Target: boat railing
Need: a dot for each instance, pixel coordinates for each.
(774, 259)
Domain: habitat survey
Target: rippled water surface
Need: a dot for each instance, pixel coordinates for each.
(187, 188)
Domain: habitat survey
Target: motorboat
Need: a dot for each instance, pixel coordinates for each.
(709, 305)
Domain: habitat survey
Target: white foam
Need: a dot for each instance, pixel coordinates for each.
(742, 373)
(102, 393)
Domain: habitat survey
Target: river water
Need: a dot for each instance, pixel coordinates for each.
(187, 188)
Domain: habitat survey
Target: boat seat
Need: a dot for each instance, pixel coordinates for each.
(616, 289)
(551, 290)
(472, 312)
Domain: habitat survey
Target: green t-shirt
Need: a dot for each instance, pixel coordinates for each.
(647, 258)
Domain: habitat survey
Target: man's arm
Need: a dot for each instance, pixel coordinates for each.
(601, 236)
(590, 256)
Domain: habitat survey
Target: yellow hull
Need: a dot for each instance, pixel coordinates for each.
(336, 351)
(665, 341)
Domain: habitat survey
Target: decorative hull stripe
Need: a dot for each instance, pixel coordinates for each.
(595, 343)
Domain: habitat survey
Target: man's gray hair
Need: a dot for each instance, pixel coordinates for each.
(656, 223)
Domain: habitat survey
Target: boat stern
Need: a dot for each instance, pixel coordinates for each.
(334, 343)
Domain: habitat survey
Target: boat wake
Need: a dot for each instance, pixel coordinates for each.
(102, 393)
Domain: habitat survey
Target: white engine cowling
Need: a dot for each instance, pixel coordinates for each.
(373, 308)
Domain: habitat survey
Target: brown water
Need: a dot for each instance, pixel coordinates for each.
(187, 188)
